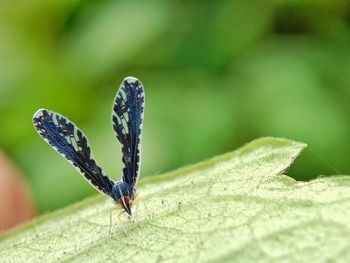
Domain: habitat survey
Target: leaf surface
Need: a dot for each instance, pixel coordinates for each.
(237, 207)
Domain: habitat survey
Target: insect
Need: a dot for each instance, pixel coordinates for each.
(68, 140)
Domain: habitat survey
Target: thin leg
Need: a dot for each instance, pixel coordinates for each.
(119, 215)
(144, 204)
(139, 198)
(110, 217)
(136, 204)
(121, 212)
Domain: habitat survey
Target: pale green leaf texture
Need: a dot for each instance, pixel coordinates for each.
(234, 208)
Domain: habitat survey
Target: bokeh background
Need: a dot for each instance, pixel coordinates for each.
(217, 74)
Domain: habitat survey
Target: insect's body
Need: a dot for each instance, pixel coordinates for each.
(124, 195)
(67, 139)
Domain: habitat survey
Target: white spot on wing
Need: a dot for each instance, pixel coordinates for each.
(130, 80)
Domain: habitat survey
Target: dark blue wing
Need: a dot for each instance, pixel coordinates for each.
(127, 123)
(68, 140)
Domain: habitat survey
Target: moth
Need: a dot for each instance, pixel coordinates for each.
(69, 141)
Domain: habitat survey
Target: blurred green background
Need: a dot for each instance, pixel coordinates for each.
(217, 74)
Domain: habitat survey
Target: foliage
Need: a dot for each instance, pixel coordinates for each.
(236, 207)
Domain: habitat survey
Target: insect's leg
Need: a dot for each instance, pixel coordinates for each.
(138, 199)
(144, 204)
(121, 212)
(110, 217)
(135, 204)
(119, 215)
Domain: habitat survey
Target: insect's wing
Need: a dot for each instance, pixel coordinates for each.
(127, 123)
(68, 140)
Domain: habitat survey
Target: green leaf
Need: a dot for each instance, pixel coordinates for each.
(237, 207)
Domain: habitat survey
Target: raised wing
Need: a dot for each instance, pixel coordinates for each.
(127, 123)
(68, 140)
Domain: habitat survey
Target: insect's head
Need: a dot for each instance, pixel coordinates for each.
(123, 195)
(125, 202)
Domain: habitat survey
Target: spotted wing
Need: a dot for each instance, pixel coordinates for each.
(127, 123)
(68, 140)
